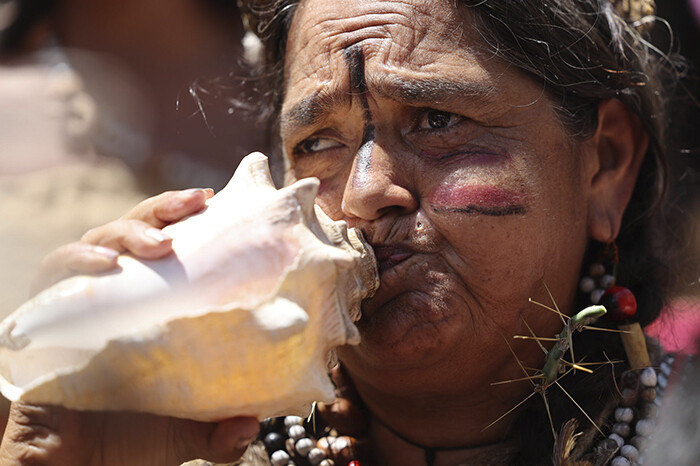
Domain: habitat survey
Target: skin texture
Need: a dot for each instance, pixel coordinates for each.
(471, 193)
(60, 437)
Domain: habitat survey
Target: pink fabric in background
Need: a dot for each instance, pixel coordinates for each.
(678, 327)
(695, 6)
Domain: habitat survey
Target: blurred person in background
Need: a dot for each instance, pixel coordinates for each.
(103, 103)
(96, 112)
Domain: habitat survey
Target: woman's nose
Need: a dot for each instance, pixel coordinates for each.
(374, 189)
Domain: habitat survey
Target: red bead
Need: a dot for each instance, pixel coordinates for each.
(620, 303)
(354, 463)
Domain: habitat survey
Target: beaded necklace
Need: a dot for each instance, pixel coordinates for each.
(634, 418)
(290, 440)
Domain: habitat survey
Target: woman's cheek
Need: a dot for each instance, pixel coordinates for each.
(488, 227)
(481, 220)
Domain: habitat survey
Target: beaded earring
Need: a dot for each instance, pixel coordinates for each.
(620, 303)
(600, 286)
(641, 387)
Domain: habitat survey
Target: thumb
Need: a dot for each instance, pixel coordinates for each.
(224, 441)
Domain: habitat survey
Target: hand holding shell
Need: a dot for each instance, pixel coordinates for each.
(238, 321)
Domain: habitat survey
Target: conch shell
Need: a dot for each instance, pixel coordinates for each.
(240, 320)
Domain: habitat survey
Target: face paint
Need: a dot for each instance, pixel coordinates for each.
(364, 159)
(477, 199)
(356, 63)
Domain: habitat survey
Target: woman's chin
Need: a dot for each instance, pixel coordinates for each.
(408, 330)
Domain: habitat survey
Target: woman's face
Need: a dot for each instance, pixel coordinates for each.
(460, 175)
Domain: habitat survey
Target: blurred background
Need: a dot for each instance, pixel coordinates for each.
(106, 102)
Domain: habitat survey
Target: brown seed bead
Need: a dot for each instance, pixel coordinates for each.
(648, 411)
(343, 450)
(289, 446)
(596, 269)
(324, 444)
(629, 397)
(648, 395)
(630, 379)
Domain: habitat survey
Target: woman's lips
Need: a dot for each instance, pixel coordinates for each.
(398, 275)
(389, 256)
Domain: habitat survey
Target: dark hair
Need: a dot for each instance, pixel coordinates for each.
(583, 52)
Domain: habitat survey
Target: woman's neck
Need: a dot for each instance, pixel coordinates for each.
(404, 429)
(392, 450)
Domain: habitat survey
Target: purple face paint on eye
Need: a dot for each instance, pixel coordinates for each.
(355, 59)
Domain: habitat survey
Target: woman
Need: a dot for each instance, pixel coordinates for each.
(485, 149)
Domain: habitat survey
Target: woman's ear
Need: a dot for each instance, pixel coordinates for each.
(618, 148)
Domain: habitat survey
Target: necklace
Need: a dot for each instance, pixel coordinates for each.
(291, 440)
(498, 453)
(633, 419)
(288, 442)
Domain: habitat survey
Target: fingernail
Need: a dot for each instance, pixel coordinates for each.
(191, 192)
(110, 254)
(155, 236)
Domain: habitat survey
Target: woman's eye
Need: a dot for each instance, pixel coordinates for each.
(437, 119)
(312, 145)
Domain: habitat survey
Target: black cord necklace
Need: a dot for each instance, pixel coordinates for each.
(430, 452)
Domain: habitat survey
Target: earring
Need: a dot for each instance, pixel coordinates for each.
(599, 285)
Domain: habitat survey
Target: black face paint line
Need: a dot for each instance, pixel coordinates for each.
(482, 210)
(355, 59)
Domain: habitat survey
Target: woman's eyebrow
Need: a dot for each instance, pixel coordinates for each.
(310, 110)
(417, 92)
(426, 91)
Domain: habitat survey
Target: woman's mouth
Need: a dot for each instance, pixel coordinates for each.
(390, 256)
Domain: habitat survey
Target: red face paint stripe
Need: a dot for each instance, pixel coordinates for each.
(476, 199)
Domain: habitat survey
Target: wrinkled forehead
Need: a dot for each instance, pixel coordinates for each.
(413, 35)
